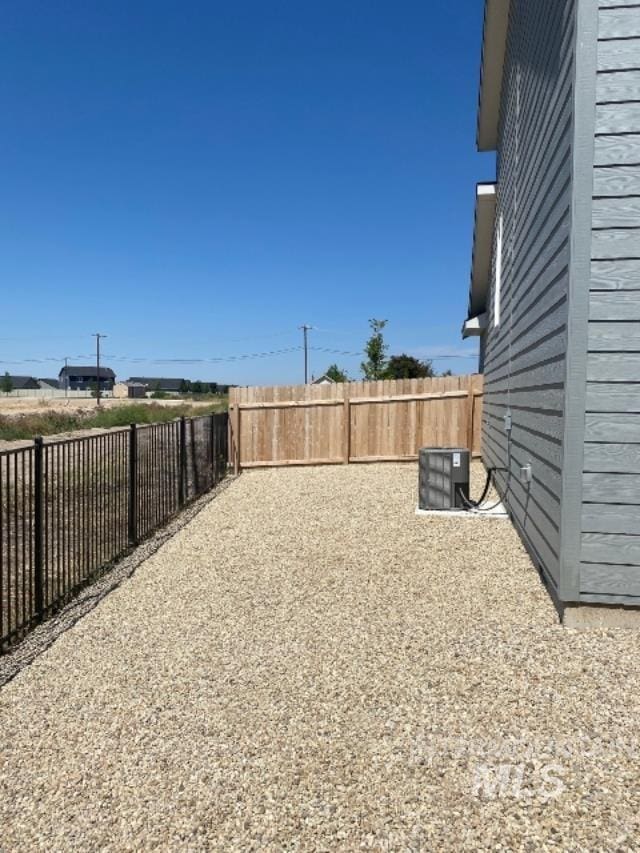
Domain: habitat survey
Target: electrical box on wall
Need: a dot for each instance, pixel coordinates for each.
(443, 478)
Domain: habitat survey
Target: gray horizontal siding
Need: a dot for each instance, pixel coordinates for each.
(616, 212)
(612, 458)
(615, 150)
(614, 337)
(525, 358)
(616, 274)
(606, 4)
(618, 86)
(613, 366)
(616, 180)
(615, 306)
(615, 243)
(610, 538)
(616, 23)
(610, 518)
(613, 397)
(609, 580)
(603, 488)
(618, 118)
(608, 547)
(618, 55)
(601, 426)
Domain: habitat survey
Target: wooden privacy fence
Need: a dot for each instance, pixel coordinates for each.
(389, 420)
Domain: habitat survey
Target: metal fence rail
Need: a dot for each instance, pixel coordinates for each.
(70, 508)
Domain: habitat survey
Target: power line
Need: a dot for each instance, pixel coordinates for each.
(144, 360)
(359, 354)
(250, 356)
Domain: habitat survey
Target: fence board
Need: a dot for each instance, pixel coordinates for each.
(353, 421)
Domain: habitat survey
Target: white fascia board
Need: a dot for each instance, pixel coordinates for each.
(494, 46)
(481, 264)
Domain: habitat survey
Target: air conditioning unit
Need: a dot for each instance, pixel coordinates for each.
(443, 478)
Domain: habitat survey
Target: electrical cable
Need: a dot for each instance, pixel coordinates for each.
(468, 502)
(476, 506)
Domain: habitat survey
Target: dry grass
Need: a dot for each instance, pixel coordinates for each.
(121, 413)
(40, 405)
(308, 665)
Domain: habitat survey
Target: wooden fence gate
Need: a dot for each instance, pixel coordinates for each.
(389, 420)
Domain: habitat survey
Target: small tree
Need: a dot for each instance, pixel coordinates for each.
(337, 375)
(405, 366)
(376, 352)
(196, 387)
(185, 386)
(447, 373)
(6, 385)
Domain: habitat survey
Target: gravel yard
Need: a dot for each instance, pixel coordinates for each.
(308, 665)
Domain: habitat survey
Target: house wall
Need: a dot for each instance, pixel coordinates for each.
(524, 355)
(610, 523)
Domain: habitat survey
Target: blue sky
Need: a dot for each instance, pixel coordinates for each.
(197, 179)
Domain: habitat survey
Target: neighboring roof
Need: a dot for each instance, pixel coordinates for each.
(494, 44)
(22, 382)
(49, 383)
(323, 380)
(71, 370)
(482, 248)
(163, 383)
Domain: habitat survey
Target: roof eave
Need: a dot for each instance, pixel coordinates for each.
(485, 214)
(474, 327)
(494, 45)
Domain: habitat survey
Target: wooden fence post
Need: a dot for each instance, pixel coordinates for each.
(470, 407)
(236, 438)
(346, 414)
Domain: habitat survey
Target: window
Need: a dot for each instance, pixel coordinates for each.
(498, 282)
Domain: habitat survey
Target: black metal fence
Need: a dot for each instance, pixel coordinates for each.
(70, 508)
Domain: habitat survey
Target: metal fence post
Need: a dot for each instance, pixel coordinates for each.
(214, 455)
(133, 485)
(182, 462)
(38, 527)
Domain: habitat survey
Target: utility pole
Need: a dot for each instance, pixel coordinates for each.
(98, 337)
(66, 378)
(305, 330)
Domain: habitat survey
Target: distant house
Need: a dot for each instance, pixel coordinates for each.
(175, 386)
(49, 384)
(136, 390)
(160, 383)
(24, 383)
(323, 380)
(74, 378)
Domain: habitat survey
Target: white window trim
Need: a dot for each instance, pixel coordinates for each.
(498, 281)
